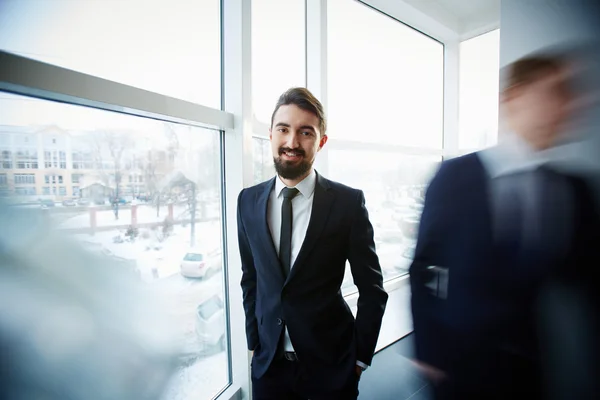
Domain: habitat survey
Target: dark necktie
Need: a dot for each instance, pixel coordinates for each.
(285, 244)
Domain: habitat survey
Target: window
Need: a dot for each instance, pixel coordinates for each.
(479, 84)
(264, 168)
(75, 178)
(385, 99)
(25, 191)
(153, 45)
(385, 79)
(394, 186)
(3, 180)
(6, 159)
(278, 52)
(25, 179)
(191, 183)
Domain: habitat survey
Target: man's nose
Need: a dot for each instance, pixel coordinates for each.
(292, 140)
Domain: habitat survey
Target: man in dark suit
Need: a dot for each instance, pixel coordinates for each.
(498, 228)
(296, 232)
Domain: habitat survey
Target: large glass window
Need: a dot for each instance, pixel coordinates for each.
(385, 79)
(479, 82)
(172, 48)
(264, 167)
(278, 52)
(394, 186)
(165, 228)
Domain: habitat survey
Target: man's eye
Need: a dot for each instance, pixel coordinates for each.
(307, 133)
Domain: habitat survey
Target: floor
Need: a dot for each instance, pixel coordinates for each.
(392, 375)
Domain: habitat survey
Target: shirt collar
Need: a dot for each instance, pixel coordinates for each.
(512, 155)
(306, 187)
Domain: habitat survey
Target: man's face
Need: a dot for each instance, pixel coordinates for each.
(295, 141)
(538, 110)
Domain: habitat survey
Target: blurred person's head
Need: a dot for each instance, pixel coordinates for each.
(537, 99)
(297, 134)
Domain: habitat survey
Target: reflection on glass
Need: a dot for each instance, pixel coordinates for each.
(171, 49)
(394, 186)
(144, 195)
(278, 52)
(385, 80)
(479, 80)
(264, 168)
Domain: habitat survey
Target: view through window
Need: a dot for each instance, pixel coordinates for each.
(143, 195)
(385, 89)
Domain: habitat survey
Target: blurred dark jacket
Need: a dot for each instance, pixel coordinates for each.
(480, 293)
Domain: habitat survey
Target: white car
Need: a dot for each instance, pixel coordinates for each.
(210, 324)
(200, 264)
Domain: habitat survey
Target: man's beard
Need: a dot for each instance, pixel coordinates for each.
(288, 170)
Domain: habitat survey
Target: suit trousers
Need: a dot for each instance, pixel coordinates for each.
(284, 381)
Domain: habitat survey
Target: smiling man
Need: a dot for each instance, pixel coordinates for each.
(296, 232)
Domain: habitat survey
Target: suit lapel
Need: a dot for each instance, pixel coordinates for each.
(322, 202)
(263, 227)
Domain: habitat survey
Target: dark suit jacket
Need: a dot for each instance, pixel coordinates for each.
(482, 328)
(327, 339)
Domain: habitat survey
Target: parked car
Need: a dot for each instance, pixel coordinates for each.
(45, 203)
(199, 263)
(69, 203)
(410, 226)
(83, 202)
(409, 252)
(210, 324)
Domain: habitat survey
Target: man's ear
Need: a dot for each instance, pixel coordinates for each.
(322, 141)
(270, 134)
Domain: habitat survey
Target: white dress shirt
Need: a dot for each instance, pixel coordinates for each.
(502, 163)
(301, 210)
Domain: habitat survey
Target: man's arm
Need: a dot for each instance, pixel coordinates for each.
(366, 272)
(248, 282)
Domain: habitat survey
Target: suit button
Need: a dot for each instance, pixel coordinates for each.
(279, 321)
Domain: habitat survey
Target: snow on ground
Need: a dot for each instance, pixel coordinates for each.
(150, 253)
(206, 375)
(200, 381)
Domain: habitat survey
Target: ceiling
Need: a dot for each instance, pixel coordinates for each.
(465, 17)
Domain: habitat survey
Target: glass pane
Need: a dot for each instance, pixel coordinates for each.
(394, 186)
(147, 194)
(172, 48)
(479, 91)
(278, 52)
(264, 168)
(385, 80)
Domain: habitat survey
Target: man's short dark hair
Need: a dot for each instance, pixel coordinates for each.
(303, 99)
(529, 69)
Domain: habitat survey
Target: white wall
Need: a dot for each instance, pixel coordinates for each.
(526, 26)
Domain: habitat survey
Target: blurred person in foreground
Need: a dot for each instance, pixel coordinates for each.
(504, 242)
(73, 326)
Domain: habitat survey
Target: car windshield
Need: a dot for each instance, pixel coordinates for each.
(210, 307)
(193, 257)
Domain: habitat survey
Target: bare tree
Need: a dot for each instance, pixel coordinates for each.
(111, 146)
